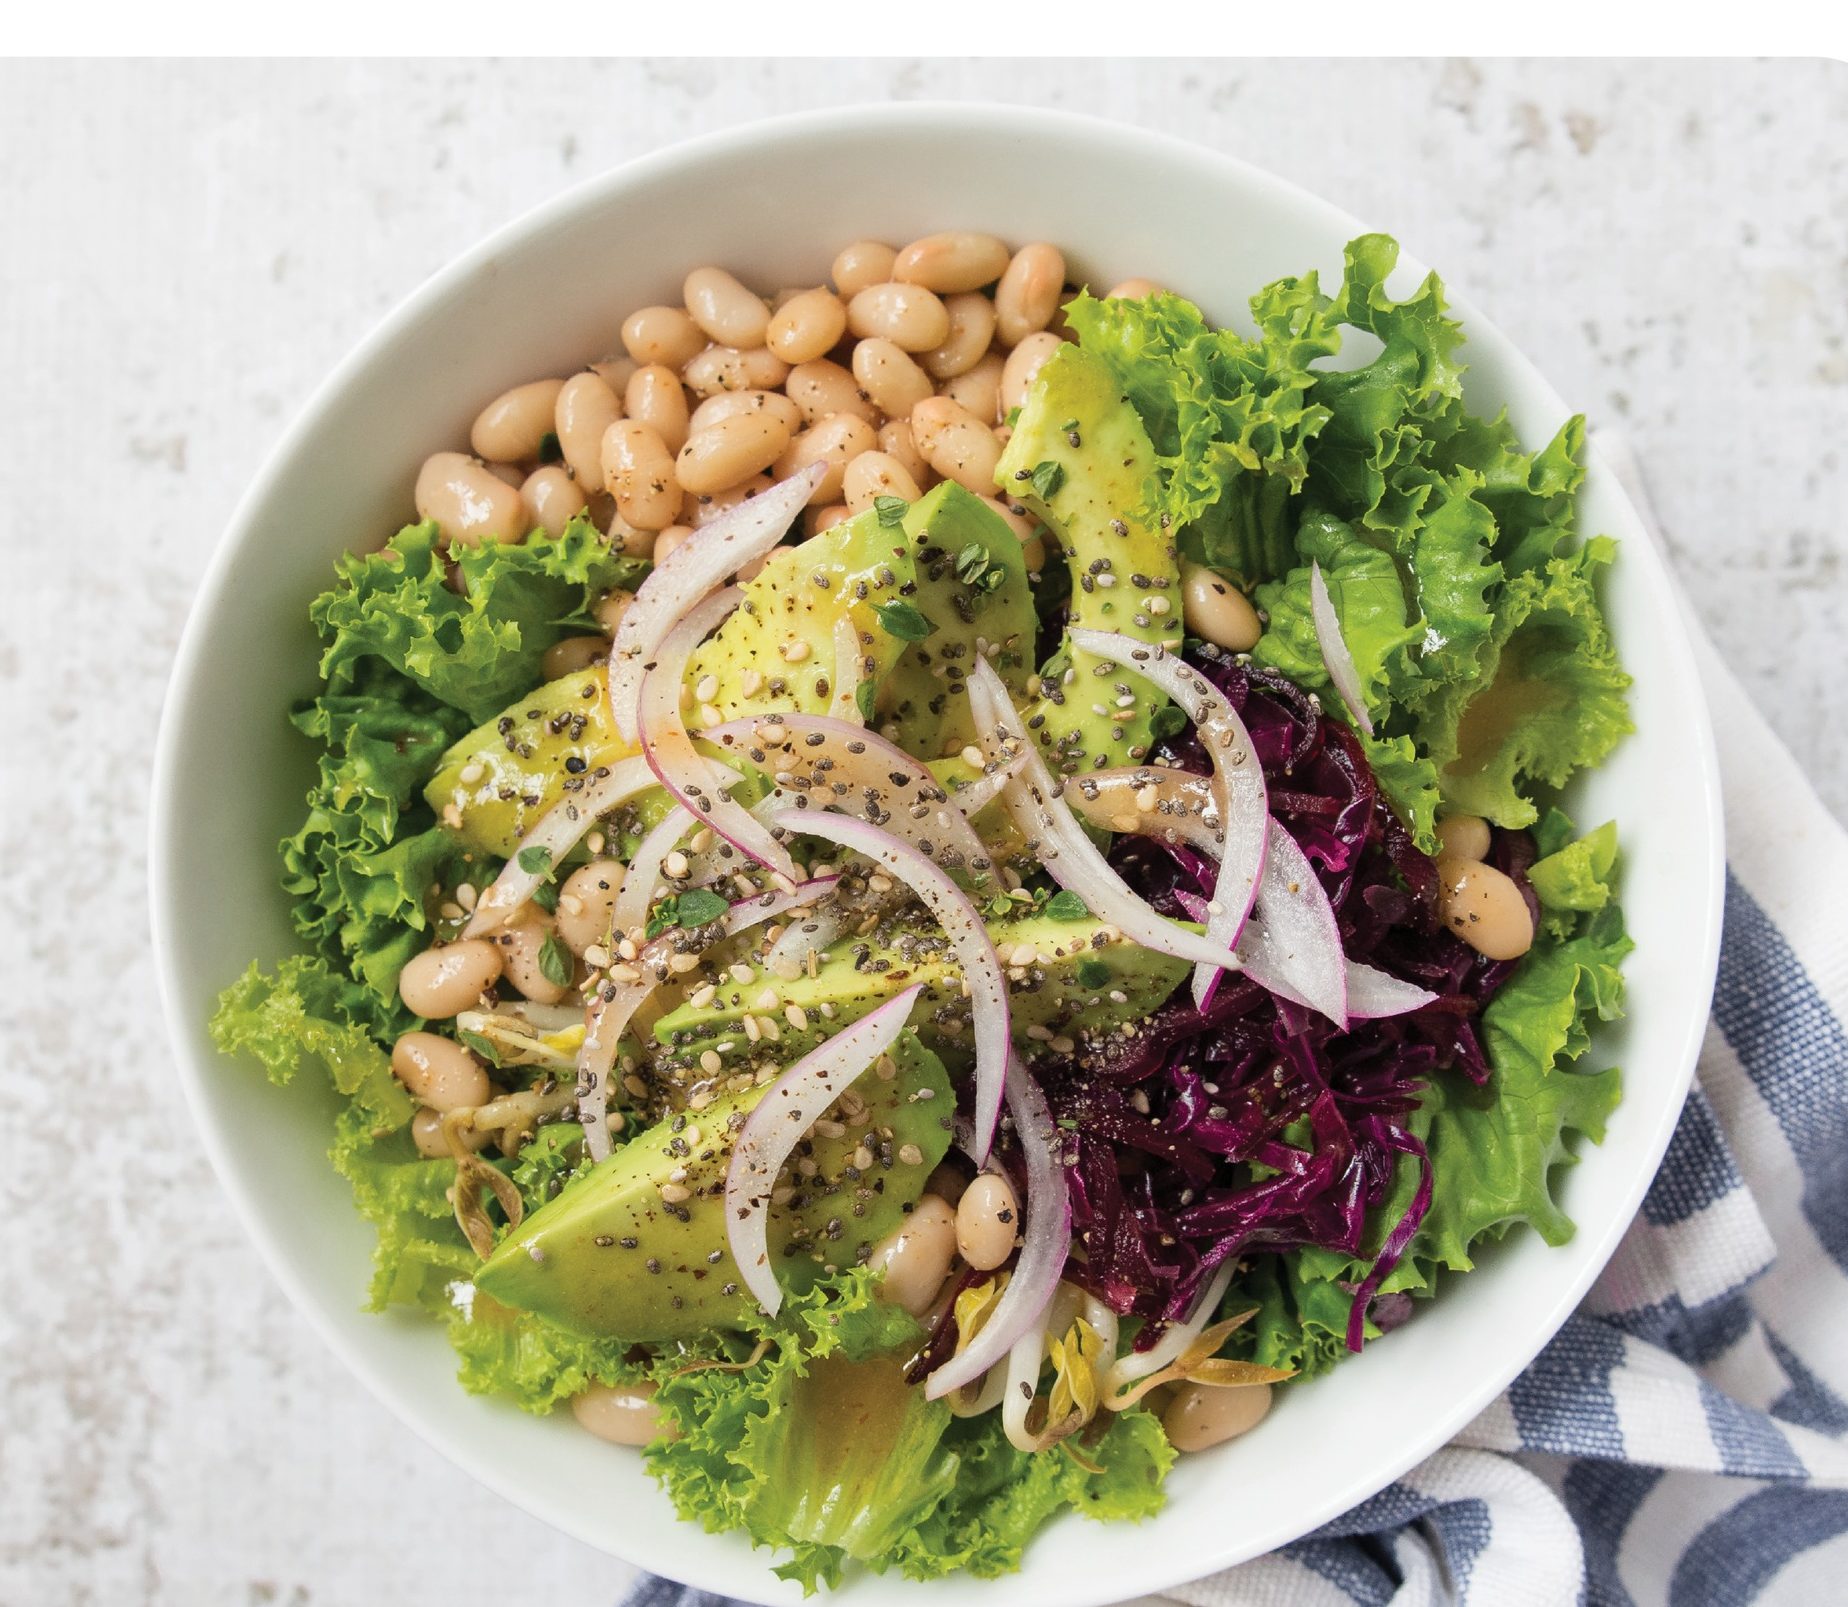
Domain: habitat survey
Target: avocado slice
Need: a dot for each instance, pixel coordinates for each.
(1080, 461)
(972, 586)
(613, 1257)
(1083, 977)
(776, 653)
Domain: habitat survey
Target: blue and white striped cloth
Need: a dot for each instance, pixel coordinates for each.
(1684, 1439)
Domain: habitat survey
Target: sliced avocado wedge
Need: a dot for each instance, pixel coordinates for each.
(972, 587)
(623, 1253)
(1079, 977)
(776, 654)
(494, 784)
(1080, 460)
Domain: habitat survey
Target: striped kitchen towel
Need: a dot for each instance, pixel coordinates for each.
(1684, 1438)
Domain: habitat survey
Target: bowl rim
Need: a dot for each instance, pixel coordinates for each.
(923, 118)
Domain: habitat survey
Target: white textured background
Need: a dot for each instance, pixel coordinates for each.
(186, 250)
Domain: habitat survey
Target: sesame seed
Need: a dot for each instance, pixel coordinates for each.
(795, 652)
(710, 1063)
(972, 755)
(911, 1155)
(675, 865)
(680, 964)
(766, 1000)
(796, 1016)
(707, 688)
(597, 955)
(702, 997)
(674, 1193)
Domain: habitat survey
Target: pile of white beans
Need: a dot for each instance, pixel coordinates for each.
(898, 373)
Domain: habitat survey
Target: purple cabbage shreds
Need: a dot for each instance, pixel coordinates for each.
(1255, 1125)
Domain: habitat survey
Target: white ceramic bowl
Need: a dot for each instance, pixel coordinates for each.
(775, 201)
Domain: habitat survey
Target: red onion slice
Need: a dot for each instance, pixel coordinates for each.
(1372, 994)
(669, 750)
(982, 790)
(642, 876)
(1245, 799)
(1335, 655)
(1292, 945)
(707, 558)
(614, 1005)
(781, 1119)
(962, 925)
(1033, 799)
(821, 763)
(558, 831)
(1046, 1243)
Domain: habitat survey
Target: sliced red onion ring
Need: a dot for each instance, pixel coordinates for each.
(558, 831)
(1047, 1242)
(1072, 860)
(962, 925)
(669, 750)
(615, 1004)
(642, 876)
(707, 558)
(1245, 799)
(1176, 1337)
(1335, 655)
(789, 954)
(849, 664)
(782, 1118)
(1292, 945)
(818, 762)
(985, 788)
(1372, 994)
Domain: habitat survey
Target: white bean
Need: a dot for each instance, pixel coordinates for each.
(979, 389)
(807, 326)
(822, 387)
(572, 654)
(728, 403)
(1484, 908)
(438, 1072)
(1029, 291)
(873, 475)
(957, 444)
(908, 315)
(513, 427)
(865, 262)
(836, 440)
(552, 499)
(638, 471)
(728, 312)
(1198, 1416)
(656, 397)
(1217, 611)
(895, 440)
(427, 1135)
(445, 980)
(623, 1414)
(889, 376)
(585, 902)
(1022, 367)
(468, 503)
(972, 329)
(729, 451)
(586, 407)
(987, 1220)
(914, 1258)
(951, 261)
(1132, 290)
(1463, 837)
(662, 335)
(520, 947)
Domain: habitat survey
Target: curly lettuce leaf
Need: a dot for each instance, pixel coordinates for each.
(1574, 877)
(305, 1014)
(1002, 1497)
(1300, 1322)
(478, 647)
(1547, 701)
(537, 1366)
(1364, 585)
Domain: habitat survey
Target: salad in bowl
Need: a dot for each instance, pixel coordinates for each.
(926, 892)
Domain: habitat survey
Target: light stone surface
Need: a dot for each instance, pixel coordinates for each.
(190, 248)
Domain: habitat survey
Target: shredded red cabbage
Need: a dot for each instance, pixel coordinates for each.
(1255, 1125)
